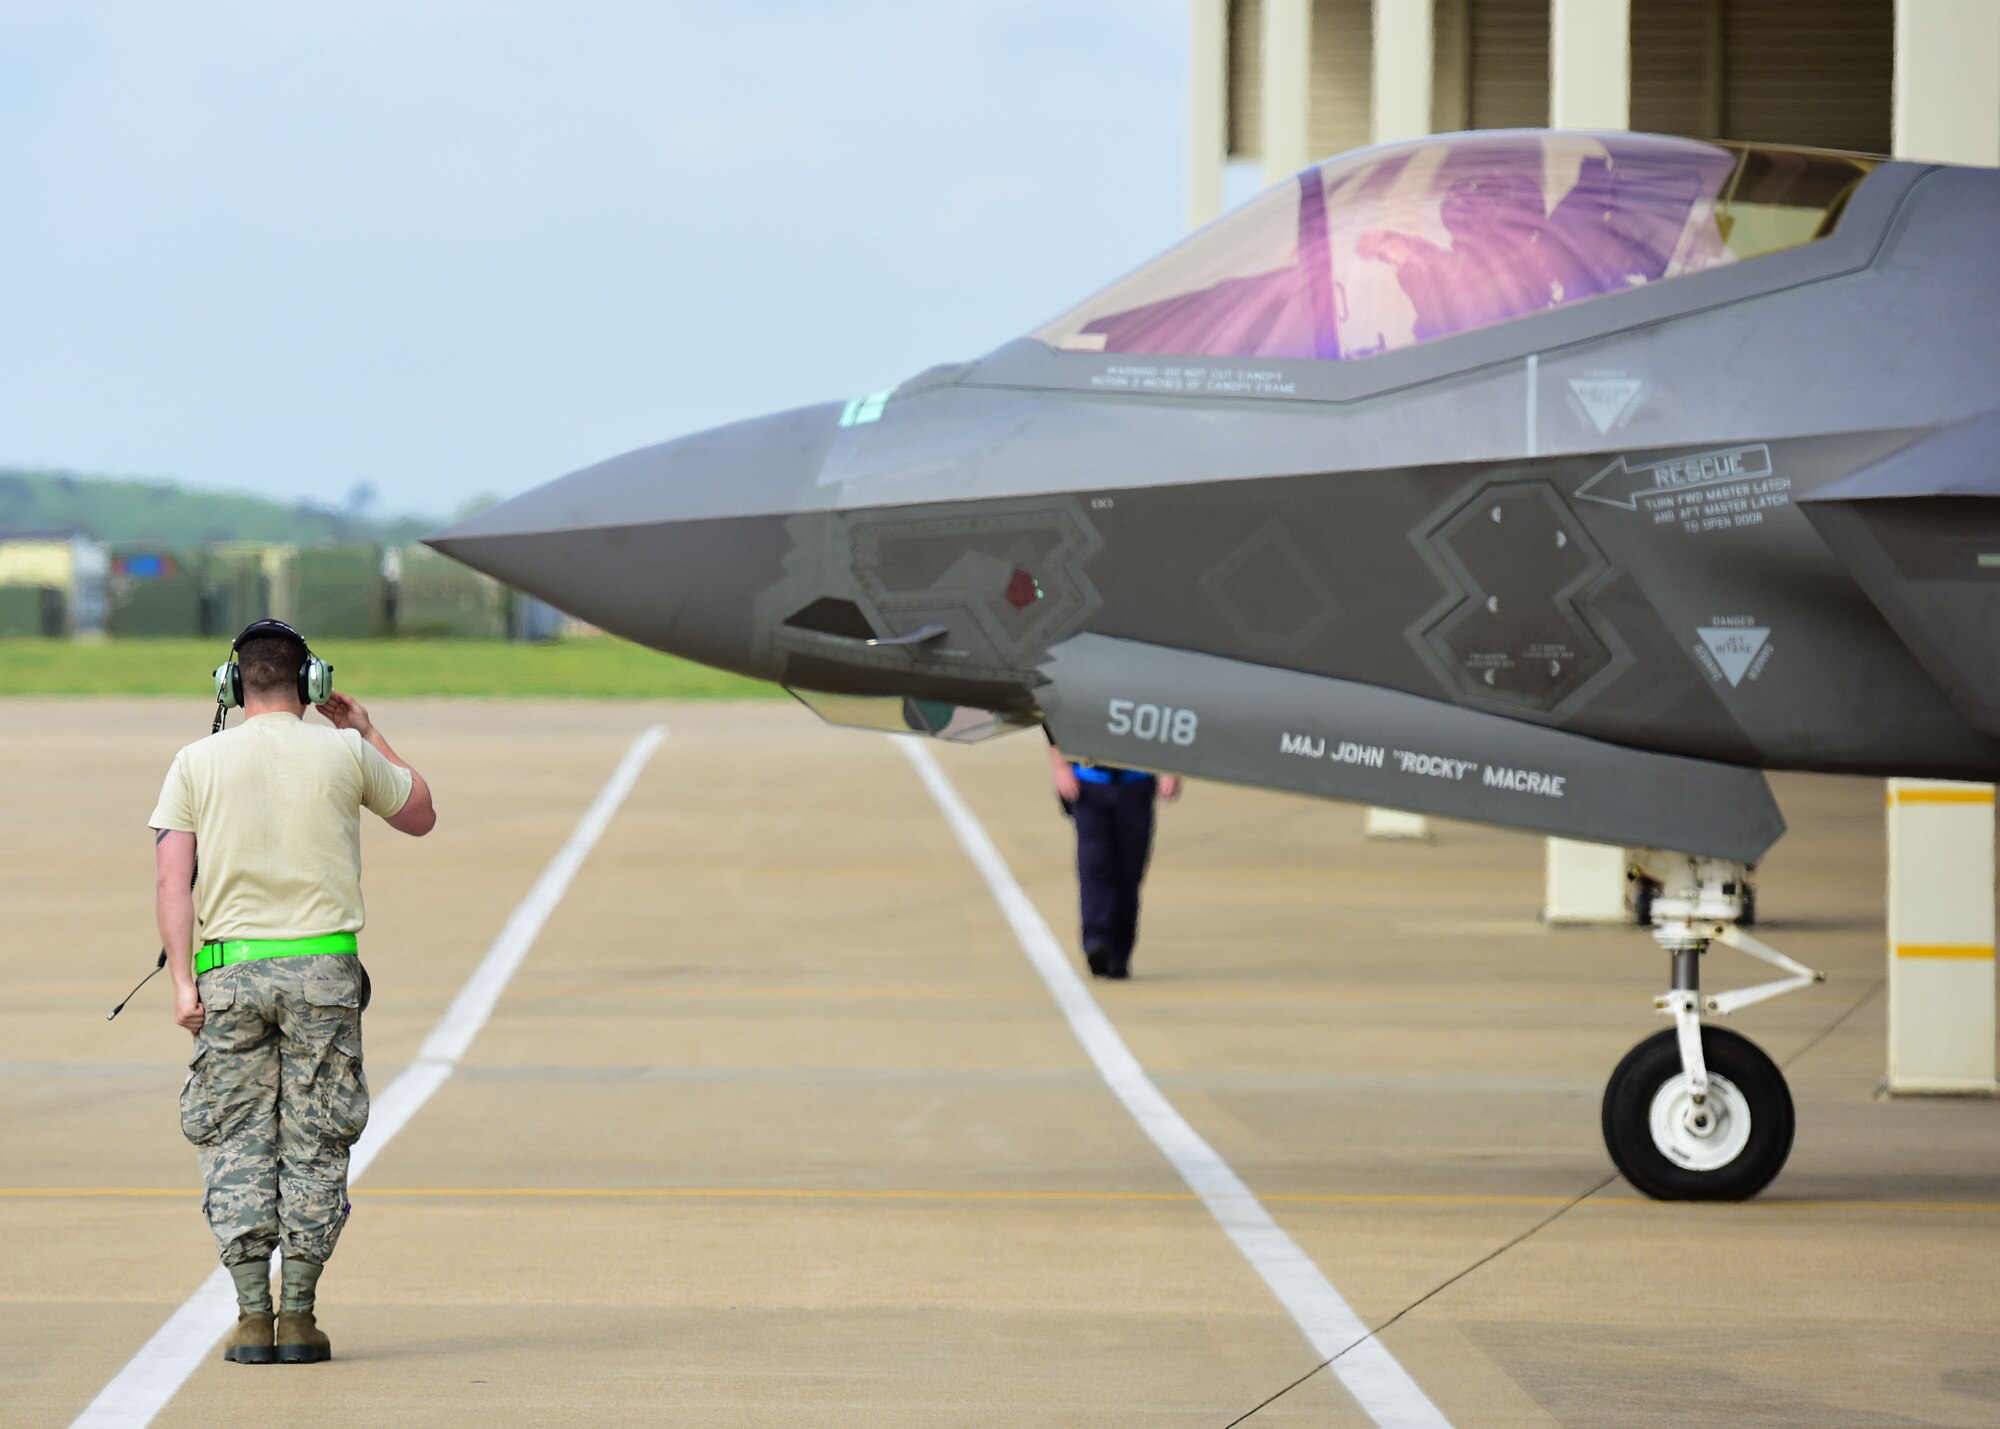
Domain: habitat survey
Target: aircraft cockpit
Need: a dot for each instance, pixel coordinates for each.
(1394, 246)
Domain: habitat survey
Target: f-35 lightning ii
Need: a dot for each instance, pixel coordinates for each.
(1558, 480)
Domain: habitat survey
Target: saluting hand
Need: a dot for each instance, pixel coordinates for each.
(346, 712)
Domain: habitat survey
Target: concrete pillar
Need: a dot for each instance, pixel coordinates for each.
(1586, 883)
(1208, 109)
(1590, 64)
(1947, 87)
(1451, 65)
(1395, 824)
(1403, 69)
(1590, 87)
(1940, 936)
(1941, 988)
(1287, 48)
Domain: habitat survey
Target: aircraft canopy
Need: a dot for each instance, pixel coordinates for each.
(1392, 246)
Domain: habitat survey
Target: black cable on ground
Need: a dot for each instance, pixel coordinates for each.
(1538, 1226)
(1435, 1290)
(1835, 1025)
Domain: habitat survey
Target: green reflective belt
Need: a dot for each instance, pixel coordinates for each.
(215, 955)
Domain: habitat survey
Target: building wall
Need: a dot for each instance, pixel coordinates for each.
(1770, 71)
(1811, 72)
(1507, 64)
(36, 563)
(1343, 98)
(1676, 65)
(1245, 106)
(1341, 101)
(55, 585)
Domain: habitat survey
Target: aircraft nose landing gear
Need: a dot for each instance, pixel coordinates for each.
(1698, 1113)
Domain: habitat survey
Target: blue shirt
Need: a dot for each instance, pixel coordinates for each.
(1106, 774)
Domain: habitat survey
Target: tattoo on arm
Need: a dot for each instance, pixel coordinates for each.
(160, 836)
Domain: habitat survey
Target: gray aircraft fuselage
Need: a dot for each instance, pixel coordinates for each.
(1584, 571)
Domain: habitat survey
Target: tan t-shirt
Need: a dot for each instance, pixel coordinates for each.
(275, 809)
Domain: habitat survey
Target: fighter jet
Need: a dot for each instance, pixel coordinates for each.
(1558, 480)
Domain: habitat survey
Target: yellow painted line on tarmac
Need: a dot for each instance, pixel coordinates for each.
(1784, 1204)
(779, 1193)
(835, 872)
(988, 994)
(797, 1193)
(64, 1193)
(784, 1193)
(1307, 995)
(793, 1193)
(858, 992)
(864, 992)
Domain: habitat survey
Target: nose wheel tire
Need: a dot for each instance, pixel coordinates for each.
(1728, 1147)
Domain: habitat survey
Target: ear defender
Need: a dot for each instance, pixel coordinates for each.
(315, 680)
(315, 675)
(229, 684)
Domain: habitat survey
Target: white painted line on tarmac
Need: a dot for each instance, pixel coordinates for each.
(155, 1374)
(1381, 1386)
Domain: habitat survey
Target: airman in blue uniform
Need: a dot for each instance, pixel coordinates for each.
(1113, 813)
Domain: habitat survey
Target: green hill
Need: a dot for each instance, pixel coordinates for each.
(130, 510)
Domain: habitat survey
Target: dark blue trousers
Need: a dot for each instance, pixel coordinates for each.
(1114, 838)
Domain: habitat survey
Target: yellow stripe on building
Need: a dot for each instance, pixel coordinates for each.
(1983, 794)
(1963, 951)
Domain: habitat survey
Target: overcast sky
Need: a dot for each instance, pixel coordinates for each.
(454, 247)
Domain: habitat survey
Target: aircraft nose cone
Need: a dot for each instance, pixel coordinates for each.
(668, 545)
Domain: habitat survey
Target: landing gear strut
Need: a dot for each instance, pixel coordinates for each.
(1645, 890)
(1697, 1113)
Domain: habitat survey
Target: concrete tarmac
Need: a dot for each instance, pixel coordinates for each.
(777, 1125)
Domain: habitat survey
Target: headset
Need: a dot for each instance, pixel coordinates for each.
(315, 684)
(315, 675)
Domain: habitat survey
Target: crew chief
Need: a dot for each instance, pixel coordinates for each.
(275, 1094)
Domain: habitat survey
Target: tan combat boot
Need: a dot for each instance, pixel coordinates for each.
(250, 1341)
(300, 1339)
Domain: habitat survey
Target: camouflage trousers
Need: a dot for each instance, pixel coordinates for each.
(275, 1096)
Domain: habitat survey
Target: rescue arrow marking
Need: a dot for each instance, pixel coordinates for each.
(1623, 482)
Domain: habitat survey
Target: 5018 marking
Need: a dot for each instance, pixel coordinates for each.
(1162, 723)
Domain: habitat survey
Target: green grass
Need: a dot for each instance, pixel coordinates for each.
(600, 668)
